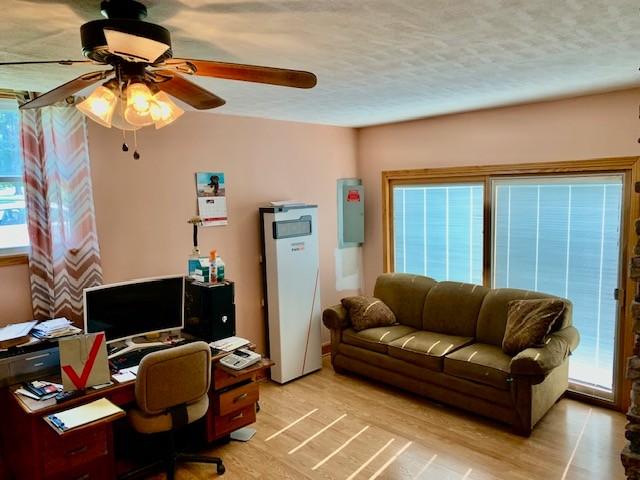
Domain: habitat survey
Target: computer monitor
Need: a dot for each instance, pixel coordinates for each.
(135, 308)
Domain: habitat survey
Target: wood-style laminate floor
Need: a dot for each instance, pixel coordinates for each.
(354, 429)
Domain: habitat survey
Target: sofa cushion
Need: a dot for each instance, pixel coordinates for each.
(375, 339)
(480, 362)
(426, 349)
(452, 308)
(404, 293)
(368, 312)
(528, 322)
(492, 319)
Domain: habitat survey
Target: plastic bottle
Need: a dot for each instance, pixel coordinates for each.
(219, 268)
(213, 269)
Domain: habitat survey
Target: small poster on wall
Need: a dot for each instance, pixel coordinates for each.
(212, 199)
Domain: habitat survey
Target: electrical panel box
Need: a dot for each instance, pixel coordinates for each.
(350, 213)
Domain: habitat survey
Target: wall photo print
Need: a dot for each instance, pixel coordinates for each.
(212, 200)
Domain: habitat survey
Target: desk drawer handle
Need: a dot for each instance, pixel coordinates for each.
(39, 364)
(240, 397)
(237, 417)
(28, 359)
(77, 451)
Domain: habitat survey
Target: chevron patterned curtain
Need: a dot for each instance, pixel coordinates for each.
(65, 256)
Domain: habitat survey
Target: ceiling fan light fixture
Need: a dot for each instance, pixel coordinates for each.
(138, 119)
(139, 97)
(99, 106)
(164, 110)
(118, 121)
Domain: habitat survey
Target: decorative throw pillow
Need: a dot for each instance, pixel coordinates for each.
(528, 322)
(368, 312)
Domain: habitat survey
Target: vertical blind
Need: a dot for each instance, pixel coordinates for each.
(561, 235)
(438, 231)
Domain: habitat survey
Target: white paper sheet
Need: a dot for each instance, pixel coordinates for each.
(16, 330)
(126, 374)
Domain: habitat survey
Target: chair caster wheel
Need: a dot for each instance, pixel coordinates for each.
(220, 470)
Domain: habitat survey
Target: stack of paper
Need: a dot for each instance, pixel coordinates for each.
(39, 390)
(58, 327)
(15, 334)
(229, 344)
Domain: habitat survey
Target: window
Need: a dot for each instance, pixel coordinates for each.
(561, 235)
(14, 238)
(438, 231)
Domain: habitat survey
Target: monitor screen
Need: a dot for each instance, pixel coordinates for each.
(130, 309)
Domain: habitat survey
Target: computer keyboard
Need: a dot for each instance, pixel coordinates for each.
(134, 357)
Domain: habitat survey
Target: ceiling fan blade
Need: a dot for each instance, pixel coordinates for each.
(59, 62)
(247, 73)
(67, 89)
(187, 91)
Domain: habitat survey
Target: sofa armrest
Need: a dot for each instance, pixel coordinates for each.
(540, 361)
(335, 317)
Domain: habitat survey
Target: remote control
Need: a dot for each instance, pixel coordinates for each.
(64, 396)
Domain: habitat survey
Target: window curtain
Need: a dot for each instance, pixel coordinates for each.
(65, 255)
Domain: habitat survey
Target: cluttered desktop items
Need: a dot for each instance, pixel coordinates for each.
(159, 309)
(127, 320)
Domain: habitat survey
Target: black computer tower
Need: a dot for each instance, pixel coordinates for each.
(209, 310)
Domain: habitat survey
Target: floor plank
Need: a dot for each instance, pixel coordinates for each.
(437, 442)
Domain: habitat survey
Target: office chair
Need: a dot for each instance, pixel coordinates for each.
(171, 391)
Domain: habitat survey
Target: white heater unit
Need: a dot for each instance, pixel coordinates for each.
(292, 284)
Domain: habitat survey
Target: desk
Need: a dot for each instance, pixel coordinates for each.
(33, 451)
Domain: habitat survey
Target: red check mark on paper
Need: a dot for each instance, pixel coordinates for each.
(81, 381)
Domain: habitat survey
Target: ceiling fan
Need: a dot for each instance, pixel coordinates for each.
(136, 89)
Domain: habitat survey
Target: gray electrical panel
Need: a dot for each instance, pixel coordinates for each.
(350, 213)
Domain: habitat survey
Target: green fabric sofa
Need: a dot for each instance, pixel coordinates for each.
(447, 346)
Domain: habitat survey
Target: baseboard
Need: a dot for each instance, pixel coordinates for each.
(326, 349)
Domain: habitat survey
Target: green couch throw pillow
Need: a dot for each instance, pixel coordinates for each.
(529, 322)
(368, 312)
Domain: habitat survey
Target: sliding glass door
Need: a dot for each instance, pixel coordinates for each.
(561, 235)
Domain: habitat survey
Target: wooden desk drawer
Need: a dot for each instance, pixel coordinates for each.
(222, 379)
(234, 400)
(98, 469)
(233, 421)
(72, 450)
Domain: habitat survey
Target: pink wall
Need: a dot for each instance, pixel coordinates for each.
(15, 294)
(142, 206)
(581, 128)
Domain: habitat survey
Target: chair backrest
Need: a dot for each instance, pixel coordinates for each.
(172, 377)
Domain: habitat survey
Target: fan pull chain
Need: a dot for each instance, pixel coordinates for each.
(136, 155)
(125, 147)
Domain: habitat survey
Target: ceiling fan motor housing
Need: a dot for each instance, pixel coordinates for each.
(94, 42)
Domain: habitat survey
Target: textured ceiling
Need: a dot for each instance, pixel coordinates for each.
(377, 61)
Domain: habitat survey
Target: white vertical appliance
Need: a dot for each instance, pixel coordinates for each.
(291, 276)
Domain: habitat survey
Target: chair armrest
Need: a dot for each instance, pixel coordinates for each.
(336, 317)
(540, 361)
